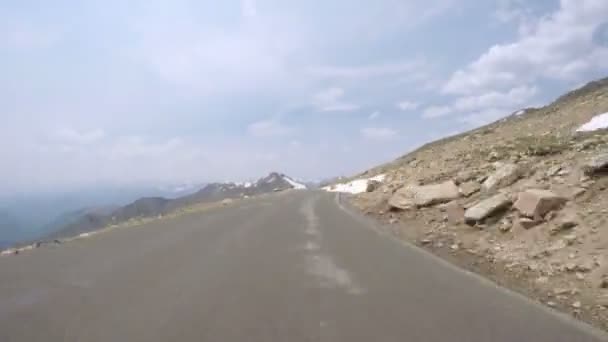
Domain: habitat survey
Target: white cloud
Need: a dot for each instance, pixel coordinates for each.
(248, 8)
(483, 117)
(330, 100)
(407, 105)
(436, 111)
(485, 107)
(26, 36)
(374, 115)
(130, 147)
(295, 144)
(515, 97)
(516, 11)
(367, 71)
(268, 128)
(329, 95)
(191, 52)
(558, 46)
(266, 157)
(378, 133)
(340, 107)
(71, 136)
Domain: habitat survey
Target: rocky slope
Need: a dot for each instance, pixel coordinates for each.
(523, 200)
(92, 219)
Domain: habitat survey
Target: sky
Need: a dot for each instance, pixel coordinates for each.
(150, 91)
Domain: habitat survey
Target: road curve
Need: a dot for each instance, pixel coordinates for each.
(288, 267)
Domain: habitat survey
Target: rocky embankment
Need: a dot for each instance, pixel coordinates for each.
(523, 201)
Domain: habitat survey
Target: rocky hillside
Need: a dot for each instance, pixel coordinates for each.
(92, 219)
(523, 199)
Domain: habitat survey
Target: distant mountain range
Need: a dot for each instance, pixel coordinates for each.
(90, 219)
(9, 228)
(29, 215)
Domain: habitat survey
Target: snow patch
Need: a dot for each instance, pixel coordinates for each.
(597, 122)
(271, 179)
(294, 184)
(8, 252)
(520, 112)
(354, 187)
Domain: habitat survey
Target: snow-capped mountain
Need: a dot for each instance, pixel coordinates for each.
(278, 181)
(154, 206)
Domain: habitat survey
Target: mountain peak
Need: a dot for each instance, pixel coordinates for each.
(280, 181)
(154, 206)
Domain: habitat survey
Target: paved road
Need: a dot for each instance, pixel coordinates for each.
(291, 267)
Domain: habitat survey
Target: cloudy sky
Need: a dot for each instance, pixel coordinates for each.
(119, 91)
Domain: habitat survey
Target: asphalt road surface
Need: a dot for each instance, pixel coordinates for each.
(286, 268)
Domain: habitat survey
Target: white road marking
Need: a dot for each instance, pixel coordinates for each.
(320, 265)
(312, 246)
(331, 275)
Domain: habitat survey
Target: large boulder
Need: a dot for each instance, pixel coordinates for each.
(597, 164)
(411, 196)
(535, 203)
(487, 208)
(504, 175)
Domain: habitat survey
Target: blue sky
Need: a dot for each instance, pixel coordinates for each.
(97, 92)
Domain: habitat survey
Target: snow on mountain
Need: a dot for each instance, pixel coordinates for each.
(356, 186)
(597, 122)
(296, 185)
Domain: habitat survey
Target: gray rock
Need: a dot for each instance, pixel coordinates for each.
(597, 164)
(602, 300)
(585, 266)
(562, 291)
(487, 208)
(564, 221)
(535, 203)
(570, 239)
(576, 192)
(505, 226)
(528, 223)
(554, 170)
(464, 176)
(469, 188)
(372, 185)
(411, 196)
(570, 267)
(504, 175)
